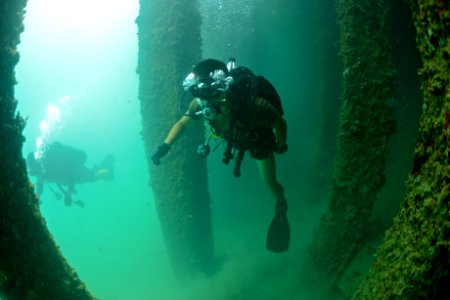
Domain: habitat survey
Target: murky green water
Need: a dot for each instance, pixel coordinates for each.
(79, 57)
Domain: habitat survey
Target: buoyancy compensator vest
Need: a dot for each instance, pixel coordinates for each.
(246, 87)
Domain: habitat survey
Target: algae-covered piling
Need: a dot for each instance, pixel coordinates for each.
(414, 261)
(365, 126)
(169, 44)
(31, 265)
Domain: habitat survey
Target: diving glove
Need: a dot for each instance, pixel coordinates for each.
(158, 152)
(281, 149)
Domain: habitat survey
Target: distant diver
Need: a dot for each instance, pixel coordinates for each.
(246, 112)
(64, 166)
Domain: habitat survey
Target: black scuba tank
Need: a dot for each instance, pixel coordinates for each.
(266, 90)
(243, 89)
(246, 86)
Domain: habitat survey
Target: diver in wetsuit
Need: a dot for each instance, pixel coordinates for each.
(64, 166)
(245, 110)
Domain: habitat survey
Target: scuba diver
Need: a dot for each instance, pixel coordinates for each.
(64, 166)
(245, 110)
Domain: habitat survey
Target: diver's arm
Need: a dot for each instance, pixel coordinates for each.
(177, 129)
(267, 115)
(280, 127)
(40, 187)
(174, 133)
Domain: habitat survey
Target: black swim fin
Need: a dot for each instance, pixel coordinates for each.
(279, 234)
(105, 169)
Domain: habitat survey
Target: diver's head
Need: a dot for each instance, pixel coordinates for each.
(209, 80)
(204, 68)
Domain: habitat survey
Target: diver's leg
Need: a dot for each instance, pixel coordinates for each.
(279, 232)
(67, 193)
(268, 172)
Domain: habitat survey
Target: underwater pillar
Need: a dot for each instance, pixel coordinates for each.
(365, 125)
(329, 69)
(31, 264)
(414, 260)
(169, 45)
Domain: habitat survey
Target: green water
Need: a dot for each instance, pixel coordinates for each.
(80, 56)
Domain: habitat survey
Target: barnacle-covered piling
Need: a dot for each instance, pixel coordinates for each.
(414, 260)
(31, 265)
(365, 126)
(169, 44)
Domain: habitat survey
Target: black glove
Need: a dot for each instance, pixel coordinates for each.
(158, 152)
(281, 149)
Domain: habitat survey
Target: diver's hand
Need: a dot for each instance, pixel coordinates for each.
(281, 148)
(158, 152)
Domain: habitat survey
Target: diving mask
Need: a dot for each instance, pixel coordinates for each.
(208, 88)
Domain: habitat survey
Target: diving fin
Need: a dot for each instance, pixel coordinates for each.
(279, 233)
(105, 169)
(79, 203)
